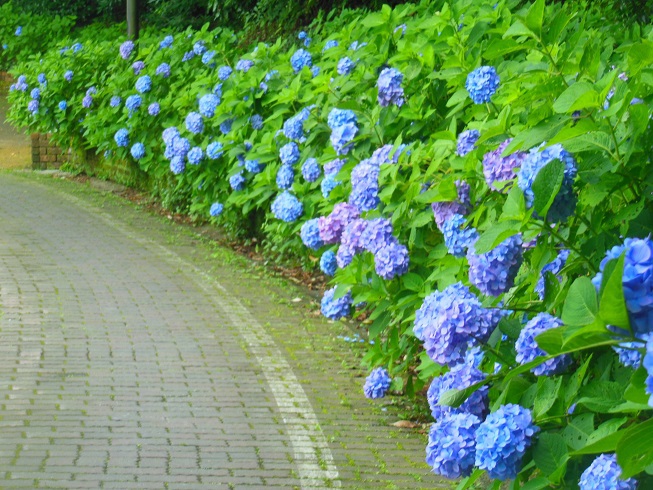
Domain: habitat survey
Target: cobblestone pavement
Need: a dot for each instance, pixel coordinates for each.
(134, 354)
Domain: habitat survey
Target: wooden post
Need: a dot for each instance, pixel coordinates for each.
(132, 19)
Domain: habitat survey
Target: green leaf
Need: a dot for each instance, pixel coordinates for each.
(550, 452)
(515, 205)
(600, 396)
(634, 450)
(547, 393)
(636, 390)
(546, 186)
(612, 309)
(578, 430)
(606, 444)
(495, 235)
(455, 398)
(534, 16)
(498, 48)
(580, 95)
(536, 484)
(518, 29)
(581, 306)
(512, 327)
(373, 20)
(412, 281)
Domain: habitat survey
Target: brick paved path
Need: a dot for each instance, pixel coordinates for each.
(134, 355)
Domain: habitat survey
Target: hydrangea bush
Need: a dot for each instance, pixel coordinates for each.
(475, 177)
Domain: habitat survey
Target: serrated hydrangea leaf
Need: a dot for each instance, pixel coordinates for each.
(546, 186)
(612, 307)
(581, 306)
(580, 95)
(496, 234)
(550, 452)
(634, 450)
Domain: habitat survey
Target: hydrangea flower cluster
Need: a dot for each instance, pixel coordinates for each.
(482, 84)
(328, 183)
(605, 474)
(377, 383)
(216, 209)
(194, 123)
(554, 267)
(285, 177)
(237, 181)
(527, 348)
(311, 170)
(289, 153)
(225, 126)
(166, 42)
(345, 66)
(253, 166)
(335, 308)
(444, 210)
(163, 70)
(33, 106)
(460, 376)
(208, 103)
(328, 263)
(331, 43)
(448, 322)
(499, 170)
(564, 203)
(207, 58)
(343, 129)
(391, 260)
(87, 102)
(68, 75)
(457, 238)
(138, 67)
(132, 103)
(195, 155)
(390, 89)
(310, 234)
(214, 150)
(293, 127)
(154, 109)
(365, 186)
(63, 105)
(256, 121)
(466, 141)
(115, 101)
(493, 273)
(332, 226)
(144, 84)
(451, 448)
(126, 49)
(376, 235)
(300, 59)
(138, 151)
(224, 72)
(122, 137)
(287, 207)
(502, 440)
(244, 65)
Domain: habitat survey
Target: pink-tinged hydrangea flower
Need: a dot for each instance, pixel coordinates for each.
(500, 170)
(451, 448)
(377, 234)
(332, 226)
(377, 383)
(482, 83)
(336, 308)
(310, 234)
(390, 90)
(126, 49)
(494, 272)
(605, 474)
(466, 141)
(564, 203)
(391, 260)
(458, 238)
(502, 439)
(328, 263)
(528, 350)
(444, 210)
(448, 322)
(287, 207)
(460, 376)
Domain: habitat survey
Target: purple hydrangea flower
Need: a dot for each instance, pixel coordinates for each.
(163, 70)
(365, 186)
(499, 170)
(214, 150)
(390, 90)
(564, 203)
(138, 151)
(115, 101)
(287, 207)
(605, 474)
(126, 49)
(289, 153)
(194, 123)
(482, 83)
(451, 448)
(310, 234)
(345, 66)
(334, 166)
(457, 237)
(311, 170)
(144, 84)
(466, 141)
(68, 76)
(442, 211)
(244, 65)
(377, 383)
(493, 273)
(332, 226)
(352, 234)
(33, 106)
(333, 308)
(460, 376)
(138, 67)
(502, 440)
(87, 102)
(391, 260)
(195, 155)
(154, 109)
(285, 177)
(528, 350)
(300, 59)
(344, 256)
(122, 137)
(328, 263)
(377, 234)
(553, 267)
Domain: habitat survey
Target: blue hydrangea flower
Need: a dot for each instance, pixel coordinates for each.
(401, 27)
(19, 31)
(133, 102)
(195, 155)
(528, 350)
(342, 136)
(166, 42)
(451, 448)
(564, 203)
(315, 71)
(138, 67)
(194, 123)
(287, 207)
(352, 234)
(500, 170)
(285, 177)
(466, 141)
(180, 146)
(629, 354)
(377, 234)
(68, 76)
(460, 376)
(345, 66)
(199, 48)
(244, 65)
(377, 383)
(332, 226)
(448, 322)
(214, 150)
(293, 127)
(33, 106)
(76, 47)
(442, 211)
(340, 117)
(163, 70)
(256, 121)
(253, 166)
(605, 474)
(311, 170)
(270, 75)
(138, 150)
(328, 263)
(63, 105)
(169, 135)
(154, 109)
(391, 260)
(300, 59)
(237, 181)
(122, 137)
(177, 165)
(225, 126)
(310, 234)
(208, 104)
(554, 267)
(502, 440)
(87, 101)
(390, 90)
(289, 153)
(638, 283)
(126, 49)
(365, 186)
(224, 72)
(335, 309)
(458, 238)
(327, 185)
(482, 83)
(493, 273)
(115, 101)
(332, 43)
(207, 58)
(355, 46)
(189, 55)
(334, 166)
(35, 93)
(144, 84)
